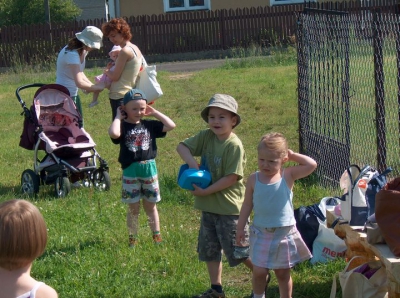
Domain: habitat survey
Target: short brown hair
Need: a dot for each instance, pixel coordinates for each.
(274, 141)
(23, 234)
(119, 25)
(75, 44)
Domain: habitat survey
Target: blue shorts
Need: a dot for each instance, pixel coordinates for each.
(140, 180)
(217, 233)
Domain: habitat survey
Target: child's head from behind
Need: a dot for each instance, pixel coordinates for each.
(114, 52)
(23, 234)
(272, 150)
(219, 104)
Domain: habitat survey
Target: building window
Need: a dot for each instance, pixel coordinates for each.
(282, 2)
(182, 5)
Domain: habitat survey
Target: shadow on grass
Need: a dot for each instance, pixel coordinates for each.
(10, 190)
(46, 192)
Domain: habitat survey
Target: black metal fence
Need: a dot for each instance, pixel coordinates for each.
(349, 89)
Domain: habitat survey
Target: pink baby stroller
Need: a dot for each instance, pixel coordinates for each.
(54, 125)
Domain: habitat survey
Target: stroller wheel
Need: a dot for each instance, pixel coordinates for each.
(29, 182)
(101, 180)
(62, 187)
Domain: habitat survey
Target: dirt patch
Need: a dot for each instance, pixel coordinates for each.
(182, 76)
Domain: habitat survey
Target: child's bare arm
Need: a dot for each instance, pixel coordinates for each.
(187, 156)
(245, 211)
(168, 123)
(306, 165)
(219, 185)
(114, 130)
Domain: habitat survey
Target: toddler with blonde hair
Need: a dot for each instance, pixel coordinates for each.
(275, 242)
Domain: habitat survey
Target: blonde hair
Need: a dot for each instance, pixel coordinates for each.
(274, 141)
(23, 234)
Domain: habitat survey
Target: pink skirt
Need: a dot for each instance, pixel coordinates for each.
(277, 248)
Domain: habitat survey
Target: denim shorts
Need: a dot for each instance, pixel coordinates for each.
(218, 233)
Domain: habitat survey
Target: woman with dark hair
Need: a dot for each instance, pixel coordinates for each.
(128, 64)
(71, 63)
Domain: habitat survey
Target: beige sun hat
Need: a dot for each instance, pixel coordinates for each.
(91, 36)
(223, 101)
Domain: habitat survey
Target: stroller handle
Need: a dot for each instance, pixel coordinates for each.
(25, 87)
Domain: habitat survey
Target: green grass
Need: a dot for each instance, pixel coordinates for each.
(87, 254)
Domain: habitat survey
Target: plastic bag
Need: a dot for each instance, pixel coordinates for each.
(327, 246)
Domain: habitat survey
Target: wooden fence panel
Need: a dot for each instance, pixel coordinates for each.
(172, 33)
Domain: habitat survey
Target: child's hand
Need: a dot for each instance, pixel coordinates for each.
(121, 114)
(198, 191)
(290, 154)
(240, 238)
(149, 111)
(109, 65)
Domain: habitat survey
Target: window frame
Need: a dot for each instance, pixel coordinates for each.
(206, 6)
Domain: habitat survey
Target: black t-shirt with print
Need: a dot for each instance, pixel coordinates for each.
(138, 141)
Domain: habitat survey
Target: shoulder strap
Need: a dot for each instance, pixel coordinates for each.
(380, 179)
(353, 171)
(360, 175)
(34, 289)
(387, 171)
(333, 289)
(133, 50)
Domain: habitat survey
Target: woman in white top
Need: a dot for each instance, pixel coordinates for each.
(71, 63)
(127, 65)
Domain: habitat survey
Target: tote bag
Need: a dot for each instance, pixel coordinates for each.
(387, 213)
(368, 280)
(147, 82)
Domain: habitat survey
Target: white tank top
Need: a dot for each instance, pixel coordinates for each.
(31, 293)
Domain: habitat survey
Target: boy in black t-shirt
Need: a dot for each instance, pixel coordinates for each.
(138, 149)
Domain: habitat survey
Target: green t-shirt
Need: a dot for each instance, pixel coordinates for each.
(221, 158)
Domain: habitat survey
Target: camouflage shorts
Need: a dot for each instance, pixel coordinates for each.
(217, 233)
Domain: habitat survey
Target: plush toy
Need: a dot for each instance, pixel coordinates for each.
(68, 135)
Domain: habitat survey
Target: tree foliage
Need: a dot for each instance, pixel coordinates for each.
(26, 12)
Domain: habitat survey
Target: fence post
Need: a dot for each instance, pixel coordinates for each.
(398, 66)
(222, 28)
(379, 90)
(144, 34)
(302, 87)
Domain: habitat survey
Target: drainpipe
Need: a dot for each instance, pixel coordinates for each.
(117, 9)
(110, 9)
